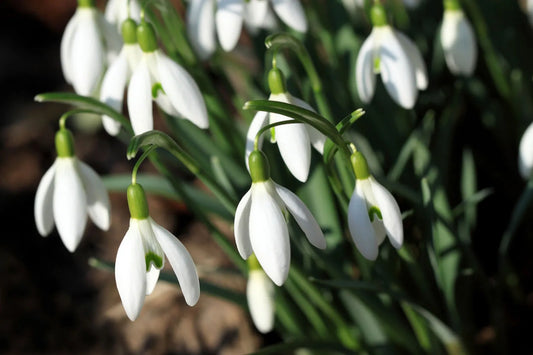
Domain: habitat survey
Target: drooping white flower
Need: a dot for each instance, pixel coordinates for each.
(395, 57)
(119, 74)
(294, 140)
(117, 11)
(458, 42)
(208, 19)
(525, 155)
(68, 192)
(141, 255)
(260, 224)
(260, 294)
(372, 213)
(88, 43)
(160, 78)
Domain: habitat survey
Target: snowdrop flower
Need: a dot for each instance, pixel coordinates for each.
(395, 57)
(458, 40)
(260, 224)
(88, 42)
(118, 11)
(68, 192)
(119, 73)
(207, 19)
(294, 140)
(260, 294)
(157, 76)
(372, 212)
(525, 156)
(141, 255)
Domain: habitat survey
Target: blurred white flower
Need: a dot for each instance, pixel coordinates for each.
(118, 75)
(140, 257)
(88, 43)
(399, 62)
(294, 140)
(116, 11)
(160, 78)
(458, 42)
(525, 156)
(208, 19)
(260, 224)
(260, 294)
(68, 192)
(411, 3)
(529, 8)
(372, 213)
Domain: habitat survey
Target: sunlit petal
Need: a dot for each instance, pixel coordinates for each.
(152, 276)
(43, 207)
(360, 227)
(260, 295)
(255, 12)
(130, 272)
(112, 90)
(525, 157)
(416, 59)
(317, 139)
(365, 78)
(201, 27)
(181, 262)
(291, 13)
(66, 47)
(458, 43)
(97, 197)
(260, 120)
(302, 216)
(229, 17)
(241, 225)
(140, 99)
(392, 217)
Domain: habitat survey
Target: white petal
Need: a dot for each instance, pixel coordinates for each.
(70, 202)
(294, 146)
(182, 90)
(112, 38)
(397, 71)
(112, 9)
(379, 230)
(525, 157)
(292, 13)
(416, 59)
(112, 91)
(241, 225)
(269, 234)
(229, 19)
(130, 271)
(458, 43)
(201, 27)
(66, 47)
(260, 295)
(87, 53)
(255, 12)
(260, 120)
(152, 276)
(302, 216)
(392, 217)
(43, 207)
(317, 139)
(97, 198)
(365, 78)
(140, 99)
(181, 262)
(164, 104)
(360, 227)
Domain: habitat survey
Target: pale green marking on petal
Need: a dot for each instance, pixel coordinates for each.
(156, 88)
(152, 258)
(374, 211)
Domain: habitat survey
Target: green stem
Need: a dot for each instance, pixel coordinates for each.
(268, 127)
(139, 162)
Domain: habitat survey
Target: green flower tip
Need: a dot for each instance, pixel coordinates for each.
(276, 81)
(64, 143)
(86, 3)
(359, 165)
(259, 168)
(146, 37)
(378, 15)
(253, 263)
(137, 202)
(152, 258)
(129, 31)
(452, 5)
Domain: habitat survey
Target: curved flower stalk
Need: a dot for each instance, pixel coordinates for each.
(118, 11)
(260, 294)
(160, 78)
(88, 44)
(372, 212)
(207, 19)
(458, 40)
(525, 155)
(394, 56)
(260, 224)
(119, 74)
(68, 192)
(141, 255)
(294, 140)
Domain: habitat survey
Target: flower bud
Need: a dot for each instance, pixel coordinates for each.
(378, 15)
(137, 202)
(64, 143)
(276, 81)
(129, 31)
(259, 168)
(146, 37)
(359, 165)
